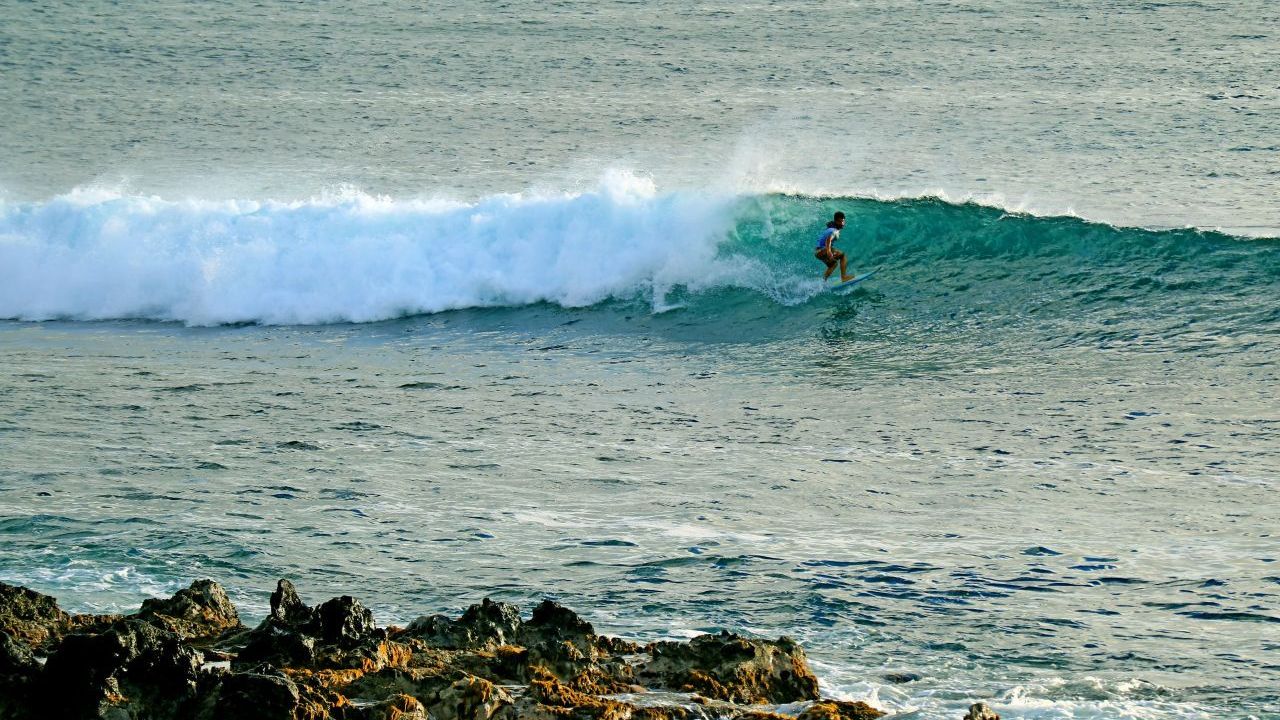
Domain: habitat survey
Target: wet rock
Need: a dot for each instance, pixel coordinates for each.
(487, 625)
(202, 610)
(554, 624)
(276, 645)
(733, 668)
(16, 658)
(558, 700)
(981, 711)
(469, 698)
(337, 634)
(370, 656)
(18, 669)
(133, 668)
(30, 617)
(285, 638)
(840, 710)
(266, 695)
(288, 610)
(331, 661)
(344, 621)
(399, 707)
(901, 678)
(565, 644)
(446, 694)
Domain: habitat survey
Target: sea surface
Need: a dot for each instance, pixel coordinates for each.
(426, 304)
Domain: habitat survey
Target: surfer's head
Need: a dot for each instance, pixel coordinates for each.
(837, 222)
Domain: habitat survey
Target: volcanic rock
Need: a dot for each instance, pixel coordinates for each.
(730, 667)
(487, 625)
(344, 621)
(446, 694)
(288, 610)
(31, 618)
(331, 661)
(18, 668)
(840, 710)
(266, 695)
(981, 711)
(202, 610)
(133, 667)
(399, 707)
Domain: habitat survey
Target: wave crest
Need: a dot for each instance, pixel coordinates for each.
(352, 257)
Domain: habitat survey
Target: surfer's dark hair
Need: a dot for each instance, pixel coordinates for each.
(839, 215)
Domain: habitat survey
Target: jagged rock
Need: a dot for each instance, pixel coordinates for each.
(372, 655)
(469, 698)
(267, 695)
(981, 711)
(285, 638)
(729, 667)
(446, 694)
(552, 623)
(399, 707)
(339, 633)
(30, 617)
(134, 668)
(280, 646)
(558, 700)
(562, 642)
(487, 625)
(331, 662)
(344, 621)
(202, 610)
(840, 710)
(18, 669)
(16, 659)
(288, 610)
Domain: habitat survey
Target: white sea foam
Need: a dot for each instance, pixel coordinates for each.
(931, 698)
(97, 254)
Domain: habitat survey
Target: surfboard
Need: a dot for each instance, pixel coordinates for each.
(854, 281)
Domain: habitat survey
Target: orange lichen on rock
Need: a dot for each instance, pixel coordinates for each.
(399, 707)
(840, 710)
(326, 678)
(553, 694)
(387, 654)
(331, 662)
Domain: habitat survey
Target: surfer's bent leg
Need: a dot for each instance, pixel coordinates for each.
(829, 259)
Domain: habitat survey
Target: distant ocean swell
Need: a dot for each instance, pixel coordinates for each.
(93, 256)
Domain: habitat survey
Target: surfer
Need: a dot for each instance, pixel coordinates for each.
(827, 252)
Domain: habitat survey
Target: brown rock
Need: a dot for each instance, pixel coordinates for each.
(288, 610)
(733, 668)
(561, 700)
(337, 634)
(269, 695)
(134, 668)
(344, 621)
(553, 623)
(840, 710)
(31, 618)
(203, 610)
(446, 694)
(484, 626)
(981, 711)
(18, 670)
(399, 707)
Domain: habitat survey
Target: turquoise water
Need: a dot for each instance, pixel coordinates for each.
(518, 301)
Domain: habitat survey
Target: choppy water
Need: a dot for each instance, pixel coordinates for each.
(346, 296)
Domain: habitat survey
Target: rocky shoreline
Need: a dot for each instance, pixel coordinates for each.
(189, 657)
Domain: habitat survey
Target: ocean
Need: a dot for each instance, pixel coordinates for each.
(426, 304)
